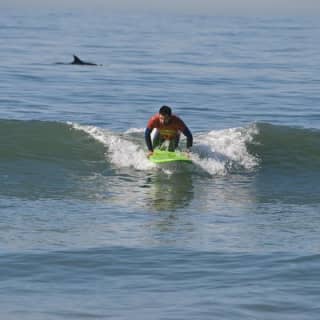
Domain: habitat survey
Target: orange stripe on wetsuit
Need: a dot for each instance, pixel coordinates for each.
(167, 131)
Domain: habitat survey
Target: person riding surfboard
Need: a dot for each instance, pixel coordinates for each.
(165, 128)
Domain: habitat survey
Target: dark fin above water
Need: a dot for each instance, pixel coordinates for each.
(78, 61)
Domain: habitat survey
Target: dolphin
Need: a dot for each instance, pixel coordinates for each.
(78, 61)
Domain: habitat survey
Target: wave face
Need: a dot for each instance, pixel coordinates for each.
(46, 159)
(52, 159)
(286, 148)
(90, 148)
(288, 170)
(51, 141)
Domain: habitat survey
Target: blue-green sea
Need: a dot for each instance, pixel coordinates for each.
(91, 229)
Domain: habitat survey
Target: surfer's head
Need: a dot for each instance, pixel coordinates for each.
(165, 114)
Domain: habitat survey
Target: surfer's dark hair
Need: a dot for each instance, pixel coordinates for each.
(165, 111)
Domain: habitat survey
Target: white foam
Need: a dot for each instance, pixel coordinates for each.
(216, 152)
(134, 130)
(219, 150)
(121, 152)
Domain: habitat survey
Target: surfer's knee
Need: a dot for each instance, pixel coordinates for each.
(174, 143)
(155, 137)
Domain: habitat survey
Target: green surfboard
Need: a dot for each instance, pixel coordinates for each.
(164, 156)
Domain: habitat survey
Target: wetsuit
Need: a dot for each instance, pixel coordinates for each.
(170, 131)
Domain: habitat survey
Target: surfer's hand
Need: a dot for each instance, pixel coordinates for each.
(149, 154)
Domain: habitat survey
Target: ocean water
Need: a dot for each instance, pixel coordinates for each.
(90, 229)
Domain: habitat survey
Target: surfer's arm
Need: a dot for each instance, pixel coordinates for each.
(189, 137)
(147, 137)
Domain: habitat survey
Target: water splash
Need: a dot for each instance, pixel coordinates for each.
(121, 151)
(217, 152)
(221, 151)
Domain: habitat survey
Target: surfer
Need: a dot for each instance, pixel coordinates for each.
(164, 128)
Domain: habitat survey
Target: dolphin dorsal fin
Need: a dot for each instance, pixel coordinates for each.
(76, 60)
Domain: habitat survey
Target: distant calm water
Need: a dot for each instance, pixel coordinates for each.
(90, 229)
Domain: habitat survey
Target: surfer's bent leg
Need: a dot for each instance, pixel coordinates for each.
(155, 138)
(173, 145)
(157, 142)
